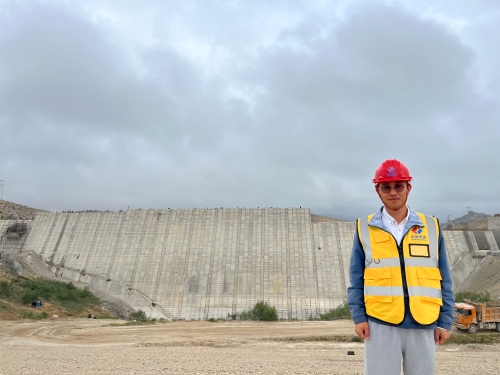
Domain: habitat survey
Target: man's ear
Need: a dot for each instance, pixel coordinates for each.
(409, 188)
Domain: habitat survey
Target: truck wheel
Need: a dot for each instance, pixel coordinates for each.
(472, 328)
(498, 327)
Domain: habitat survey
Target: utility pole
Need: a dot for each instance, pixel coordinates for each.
(469, 209)
(1, 188)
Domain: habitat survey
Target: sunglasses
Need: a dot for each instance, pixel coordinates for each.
(386, 189)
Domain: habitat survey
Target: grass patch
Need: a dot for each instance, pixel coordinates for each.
(31, 315)
(67, 296)
(139, 316)
(340, 312)
(261, 311)
(472, 296)
(63, 295)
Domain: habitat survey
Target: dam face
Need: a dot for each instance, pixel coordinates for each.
(210, 263)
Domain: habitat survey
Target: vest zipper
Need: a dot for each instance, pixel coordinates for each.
(403, 270)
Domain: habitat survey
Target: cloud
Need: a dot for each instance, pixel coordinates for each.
(205, 104)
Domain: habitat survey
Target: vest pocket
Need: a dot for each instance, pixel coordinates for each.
(382, 237)
(436, 301)
(429, 277)
(378, 285)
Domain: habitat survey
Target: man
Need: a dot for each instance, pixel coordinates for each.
(400, 295)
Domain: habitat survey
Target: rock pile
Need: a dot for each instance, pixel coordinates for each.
(14, 211)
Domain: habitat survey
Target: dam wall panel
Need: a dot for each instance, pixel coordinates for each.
(39, 231)
(209, 263)
(456, 244)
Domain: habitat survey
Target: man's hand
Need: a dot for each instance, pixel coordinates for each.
(441, 335)
(362, 330)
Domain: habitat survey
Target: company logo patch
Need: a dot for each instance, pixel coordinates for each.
(417, 236)
(391, 172)
(416, 230)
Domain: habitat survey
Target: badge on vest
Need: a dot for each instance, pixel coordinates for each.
(419, 251)
(417, 236)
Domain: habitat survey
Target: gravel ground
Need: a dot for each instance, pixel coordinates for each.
(91, 347)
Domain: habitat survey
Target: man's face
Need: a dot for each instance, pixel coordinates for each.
(393, 194)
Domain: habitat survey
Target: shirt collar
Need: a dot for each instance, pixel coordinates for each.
(389, 219)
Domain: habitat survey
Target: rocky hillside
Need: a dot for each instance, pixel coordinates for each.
(485, 278)
(10, 210)
(470, 221)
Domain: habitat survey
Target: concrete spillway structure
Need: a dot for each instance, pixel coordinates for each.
(198, 264)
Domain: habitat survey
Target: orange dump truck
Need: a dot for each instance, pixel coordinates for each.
(472, 316)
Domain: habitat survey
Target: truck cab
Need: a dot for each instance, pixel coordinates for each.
(464, 316)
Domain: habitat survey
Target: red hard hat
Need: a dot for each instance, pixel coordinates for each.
(392, 170)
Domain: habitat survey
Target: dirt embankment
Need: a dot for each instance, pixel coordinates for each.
(12, 211)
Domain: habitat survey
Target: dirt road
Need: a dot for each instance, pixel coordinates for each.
(81, 346)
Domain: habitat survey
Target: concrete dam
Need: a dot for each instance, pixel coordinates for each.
(212, 263)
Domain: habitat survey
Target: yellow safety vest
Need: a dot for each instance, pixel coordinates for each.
(389, 277)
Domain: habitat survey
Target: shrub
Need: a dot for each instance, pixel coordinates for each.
(472, 296)
(31, 315)
(29, 296)
(261, 311)
(5, 289)
(138, 315)
(340, 312)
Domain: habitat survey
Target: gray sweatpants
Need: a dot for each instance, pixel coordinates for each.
(387, 346)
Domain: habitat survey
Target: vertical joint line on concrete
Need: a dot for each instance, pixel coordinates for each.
(139, 248)
(51, 259)
(49, 235)
(288, 276)
(93, 242)
(341, 261)
(262, 250)
(72, 236)
(186, 263)
(211, 266)
(113, 255)
(315, 265)
(237, 263)
(162, 256)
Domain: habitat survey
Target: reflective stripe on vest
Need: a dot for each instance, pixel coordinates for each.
(384, 294)
(413, 291)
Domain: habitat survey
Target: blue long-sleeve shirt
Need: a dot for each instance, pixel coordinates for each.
(355, 292)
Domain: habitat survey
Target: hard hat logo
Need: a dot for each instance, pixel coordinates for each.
(391, 170)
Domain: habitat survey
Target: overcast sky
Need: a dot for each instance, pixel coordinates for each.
(182, 104)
